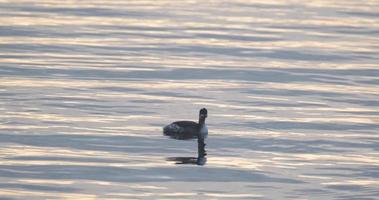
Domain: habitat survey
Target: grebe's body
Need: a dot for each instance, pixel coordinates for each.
(183, 130)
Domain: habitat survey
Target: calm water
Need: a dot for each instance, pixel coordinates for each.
(291, 88)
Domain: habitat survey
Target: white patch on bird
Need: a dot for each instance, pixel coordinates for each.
(204, 131)
(174, 127)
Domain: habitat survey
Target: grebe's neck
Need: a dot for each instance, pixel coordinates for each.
(201, 121)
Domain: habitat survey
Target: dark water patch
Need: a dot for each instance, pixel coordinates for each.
(117, 89)
(367, 195)
(365, 171)
(86, 12)
(7, 198)
(260, 5)
(43, 188)
(362, 14)
(137, 145)
(24, 48)
(337, 73)
(76, 31)
(123, 174)
(359, 31)
(370, 82)
(362, 102)
(294, 93)
(277, 104)
(177, 31)
(19, 31)
(256, 52)
(288, 125)
(65, 158)
(306, 56)
(210, 191)
(340, 30)
(292, 145)
(237, 37)
(332, 80)
(188, 49)
(73, 99)
(166, 35)
(83, 106)
(176, 94)
(356, 198)
(308, 192)
(91, 107)
(346, 187)
(94, 143)
(263, 186)
(137, 28)
(47, 32)
(33, 110)
(369, 171)
(273, 145)
(16, 123)
(8, 94)
(173, 74)
(318, 28)
(140, 101)
(57, 122)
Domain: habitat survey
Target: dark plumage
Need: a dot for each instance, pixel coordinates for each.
(183, 130)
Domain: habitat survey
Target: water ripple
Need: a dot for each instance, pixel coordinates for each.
(291, 90)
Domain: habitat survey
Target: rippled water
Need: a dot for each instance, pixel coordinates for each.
(291, 89)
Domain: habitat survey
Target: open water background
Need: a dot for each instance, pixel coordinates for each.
(291, 88)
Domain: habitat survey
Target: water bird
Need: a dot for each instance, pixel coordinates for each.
(184, 130)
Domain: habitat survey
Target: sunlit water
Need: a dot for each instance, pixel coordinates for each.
(291, 88)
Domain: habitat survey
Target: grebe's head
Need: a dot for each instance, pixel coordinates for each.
(203, 113)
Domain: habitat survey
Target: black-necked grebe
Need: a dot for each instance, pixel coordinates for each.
(183, 130)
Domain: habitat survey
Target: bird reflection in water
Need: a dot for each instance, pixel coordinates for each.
(201, 158)
(185, 130)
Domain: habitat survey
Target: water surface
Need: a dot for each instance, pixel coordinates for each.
(291, 88)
